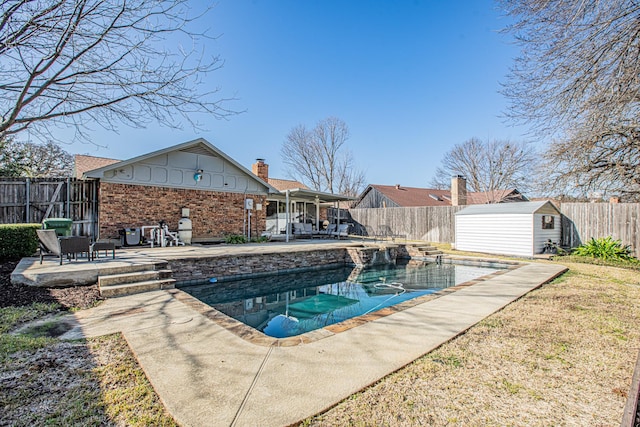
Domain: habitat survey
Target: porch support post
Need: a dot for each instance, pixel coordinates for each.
(287, 216)
(317, 214)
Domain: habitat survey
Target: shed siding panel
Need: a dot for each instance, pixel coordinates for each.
(497, 234)
(540, 235)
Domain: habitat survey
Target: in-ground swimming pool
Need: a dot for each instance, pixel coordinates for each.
(285, 305)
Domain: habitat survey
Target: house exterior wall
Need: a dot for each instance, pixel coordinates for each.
(375, 199)
(213, 214)
(510, 234)
(176, 169)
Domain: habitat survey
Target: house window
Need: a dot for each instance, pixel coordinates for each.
(547, 222)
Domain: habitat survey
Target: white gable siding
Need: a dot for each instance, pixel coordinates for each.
(177, 169)
(495, 233)
(541, 235)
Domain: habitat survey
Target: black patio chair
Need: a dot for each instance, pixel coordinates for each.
(52, 245)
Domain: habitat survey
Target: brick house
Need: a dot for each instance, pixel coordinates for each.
(196, 175)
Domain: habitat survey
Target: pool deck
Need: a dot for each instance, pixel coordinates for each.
(80, 272)
(208, 376)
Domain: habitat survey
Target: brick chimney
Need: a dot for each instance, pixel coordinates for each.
(458, 191)
(261, 170)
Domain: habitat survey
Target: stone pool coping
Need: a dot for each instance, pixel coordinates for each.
(206, 375)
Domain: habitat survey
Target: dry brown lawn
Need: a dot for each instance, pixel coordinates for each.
(563, 355)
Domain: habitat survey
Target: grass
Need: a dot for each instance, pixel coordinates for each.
(46, 381)
(10, 317)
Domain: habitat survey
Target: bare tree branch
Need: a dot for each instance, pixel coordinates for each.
(577, 82)
(320, 158)
(488, 166)
(86, 62)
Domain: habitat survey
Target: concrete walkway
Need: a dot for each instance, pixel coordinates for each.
(208, 376)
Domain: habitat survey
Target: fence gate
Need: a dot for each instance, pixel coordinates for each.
(31, 200)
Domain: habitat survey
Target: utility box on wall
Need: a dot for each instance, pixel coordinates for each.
(518, 228)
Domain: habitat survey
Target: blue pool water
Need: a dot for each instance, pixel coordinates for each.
(284, 305)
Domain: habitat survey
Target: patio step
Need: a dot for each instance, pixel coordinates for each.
(152, 277)
(137, 276)
(136, 288)
(109, 270)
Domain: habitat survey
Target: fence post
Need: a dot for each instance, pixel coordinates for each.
(28, 198)
(68, 198)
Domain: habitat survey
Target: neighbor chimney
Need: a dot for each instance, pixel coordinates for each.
(261, 170)
(458, 191)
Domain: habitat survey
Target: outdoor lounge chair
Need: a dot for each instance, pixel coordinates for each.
(51, 244)
(326, 232)
(342, 231)
(302, 229)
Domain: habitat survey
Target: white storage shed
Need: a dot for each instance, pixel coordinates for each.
(520, 229)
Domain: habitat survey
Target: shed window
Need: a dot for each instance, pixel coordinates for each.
(547, 222)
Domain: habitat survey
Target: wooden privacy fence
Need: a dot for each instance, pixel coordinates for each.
(429, 223)
(31, 200)
(580, 222)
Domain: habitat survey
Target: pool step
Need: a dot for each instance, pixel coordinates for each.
(431, 253)
(151, 279)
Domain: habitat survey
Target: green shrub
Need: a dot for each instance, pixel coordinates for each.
(605, 248)
(18, 240)
(235, 239)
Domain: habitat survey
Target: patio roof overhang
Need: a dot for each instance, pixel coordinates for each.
(306, 195)
(310, 195)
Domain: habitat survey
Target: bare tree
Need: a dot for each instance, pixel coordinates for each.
(577, 82)
(100, 62)
(488, 166)
(34, 160)
(319, 157)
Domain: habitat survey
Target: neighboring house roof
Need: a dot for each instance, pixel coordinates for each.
(495, 196)
(286, 184)
(196, 147)
(84, 163)
(540, 207)
(413, 196)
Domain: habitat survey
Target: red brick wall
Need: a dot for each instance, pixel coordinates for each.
(213, 214)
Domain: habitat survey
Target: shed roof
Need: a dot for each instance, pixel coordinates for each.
(522, 208)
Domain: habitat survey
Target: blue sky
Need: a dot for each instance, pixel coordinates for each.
(410, 79)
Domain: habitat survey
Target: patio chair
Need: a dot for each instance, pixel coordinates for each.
(302, 229)
(51, 244)
(341, 231)
(327, 231)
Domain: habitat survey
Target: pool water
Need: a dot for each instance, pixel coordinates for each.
(285, 305)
